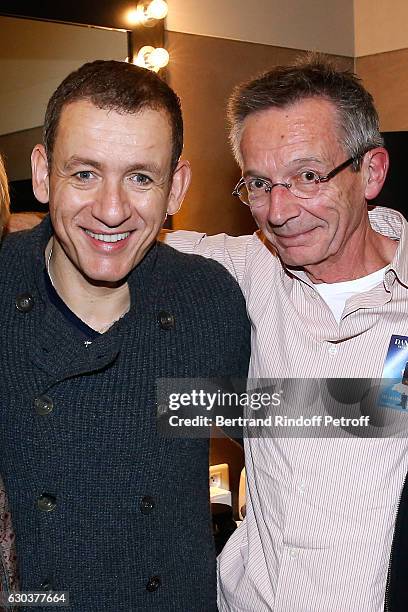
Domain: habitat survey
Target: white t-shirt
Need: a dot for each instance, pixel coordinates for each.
(336, 294)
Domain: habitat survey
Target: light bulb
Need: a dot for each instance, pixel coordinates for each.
(157, 9)
(135, 16)
(151, 58)
(143, 56)
(159, 58)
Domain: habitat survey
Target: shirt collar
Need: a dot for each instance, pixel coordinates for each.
(392, 224)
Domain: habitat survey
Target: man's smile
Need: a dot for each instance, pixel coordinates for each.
(293, 237)
(108, 237)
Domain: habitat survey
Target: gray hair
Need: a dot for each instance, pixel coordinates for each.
(313, 76)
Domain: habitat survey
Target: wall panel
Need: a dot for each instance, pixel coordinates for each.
(386, 77)
(380, 26)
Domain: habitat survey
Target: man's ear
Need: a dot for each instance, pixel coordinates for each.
(377, 162)
(180, 184)
(39, 169)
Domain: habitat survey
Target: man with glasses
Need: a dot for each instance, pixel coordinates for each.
(93, 312)
(326, 286)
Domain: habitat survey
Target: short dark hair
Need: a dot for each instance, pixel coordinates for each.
(118, 86)
(312, 76)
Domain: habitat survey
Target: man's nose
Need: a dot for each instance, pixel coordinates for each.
(282, 206)
(112, 205)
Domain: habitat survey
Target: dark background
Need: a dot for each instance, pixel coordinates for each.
(393, 193)
(104, 13)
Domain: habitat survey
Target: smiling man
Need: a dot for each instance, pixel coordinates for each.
(326, 286)
(123, 160)
(93, 311)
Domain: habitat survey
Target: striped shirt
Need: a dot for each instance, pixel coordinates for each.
(320, 512)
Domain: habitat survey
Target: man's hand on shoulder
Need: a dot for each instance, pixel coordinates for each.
(23, 221)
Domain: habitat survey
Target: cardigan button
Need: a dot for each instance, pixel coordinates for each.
(166, 320)
(46, 503)
(43, 405)
(24, 302)
(147, 504)
(46, 585)
(153, 584)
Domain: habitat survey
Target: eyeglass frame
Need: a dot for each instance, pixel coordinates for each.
(318, 180)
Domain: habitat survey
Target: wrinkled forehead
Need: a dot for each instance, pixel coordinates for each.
(309, 115)
(307, 127)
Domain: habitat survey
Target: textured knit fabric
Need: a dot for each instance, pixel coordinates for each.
(129, 524)
(320, 512)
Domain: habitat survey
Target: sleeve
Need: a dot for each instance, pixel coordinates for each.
(241, 347)
(230, 251)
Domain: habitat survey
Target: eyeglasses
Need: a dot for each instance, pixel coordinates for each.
(254, 192)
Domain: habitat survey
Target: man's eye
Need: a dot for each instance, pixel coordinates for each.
(307, 176)
(255, 185)
(84, 175)
(141, 180)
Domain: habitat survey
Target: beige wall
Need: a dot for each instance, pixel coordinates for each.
(326, 25)
(381, 43)
(386, 77)
(380, 26)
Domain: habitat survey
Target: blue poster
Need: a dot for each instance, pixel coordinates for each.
(394, 386)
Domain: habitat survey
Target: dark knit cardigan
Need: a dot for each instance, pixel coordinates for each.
(104, 506)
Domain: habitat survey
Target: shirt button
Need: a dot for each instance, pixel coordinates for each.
(43, 405)
(24, 302)
(46, 503)
(301, 487)
(332, 349)
(166, 320)
(153, 584)
(147, 504)
(294, 553)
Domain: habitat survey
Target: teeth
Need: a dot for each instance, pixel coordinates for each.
(108, 237)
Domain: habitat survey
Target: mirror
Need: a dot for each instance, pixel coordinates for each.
(34, 58)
